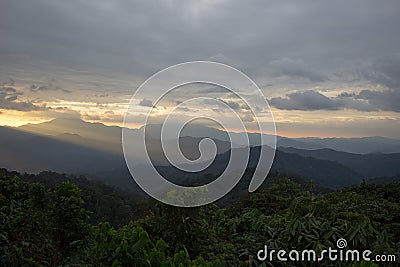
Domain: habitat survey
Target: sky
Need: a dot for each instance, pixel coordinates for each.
(328, 69)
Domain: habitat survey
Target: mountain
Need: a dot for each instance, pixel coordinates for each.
(324, 173)
(385, 180)
(358, 145)
(92, 135)
(293, 142)
(369, 165)
(108, 138)
(34, 153)
(93, 149)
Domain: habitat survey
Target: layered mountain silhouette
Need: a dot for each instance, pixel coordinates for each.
(369, 165)
(93, 149)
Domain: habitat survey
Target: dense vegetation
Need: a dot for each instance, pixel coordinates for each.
(106, 203)
(49, 224)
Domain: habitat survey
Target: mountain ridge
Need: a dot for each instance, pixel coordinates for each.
(101, 132)
(84, 148)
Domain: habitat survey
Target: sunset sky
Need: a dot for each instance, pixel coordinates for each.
(326, 68)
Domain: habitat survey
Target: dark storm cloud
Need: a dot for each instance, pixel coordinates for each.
(142, 37)
(8, 97)
(312, 100)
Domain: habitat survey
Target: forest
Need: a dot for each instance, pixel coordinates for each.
(53, 219)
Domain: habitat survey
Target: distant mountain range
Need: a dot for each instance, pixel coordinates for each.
(369, 165)
(358, 145)
(93, 149)
(109, 137)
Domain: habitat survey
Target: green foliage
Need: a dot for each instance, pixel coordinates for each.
(284, 216)
(42, 227)
(69, 218)
(39, 226)
(49, 226)
(274, 199)
(104, 202)
(131, 246)
(180, 226)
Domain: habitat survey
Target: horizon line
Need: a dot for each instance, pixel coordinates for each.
(232, 131)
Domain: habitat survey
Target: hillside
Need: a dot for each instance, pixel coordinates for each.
(50, 226)
(94, 150)
(104, 202)
(369, 165)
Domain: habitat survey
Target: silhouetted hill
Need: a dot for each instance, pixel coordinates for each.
(109, 137)
(384, 180)
(358, 145)
(29, 152)
(369, 165)
(93, 135)
(323, 172)
(93, 149)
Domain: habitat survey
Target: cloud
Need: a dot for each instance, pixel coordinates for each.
(232, 104)
(9, 100)
(346, 94)
(308, 100)
(247, 117)
(91, 117)
(108, 116)
(311, 100)
(384, 71)
(214, 89)
(8, 81)
(49, 87)
(146, 103)
(388, 100)
(247, 34)
(184, 109)
(65, 113)
(290, 44)
(296, 68)
(9, 90)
